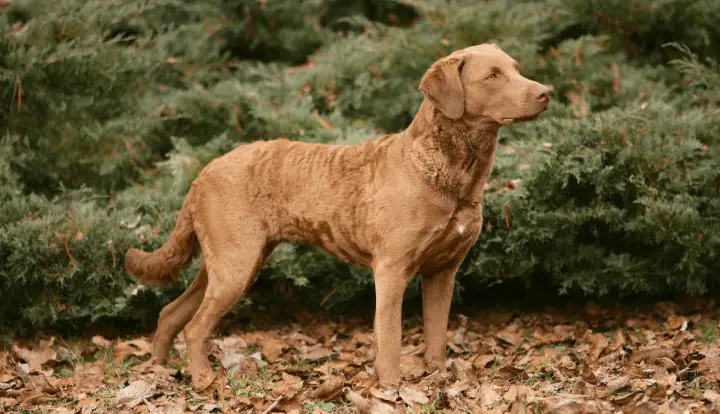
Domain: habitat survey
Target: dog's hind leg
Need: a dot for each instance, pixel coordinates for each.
(177, 314)
(232, 266)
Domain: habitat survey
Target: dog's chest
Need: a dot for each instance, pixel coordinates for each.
(457, 236)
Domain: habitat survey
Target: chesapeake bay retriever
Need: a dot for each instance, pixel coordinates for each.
(404, 204)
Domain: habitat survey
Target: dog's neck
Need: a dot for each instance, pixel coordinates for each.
(454, 156)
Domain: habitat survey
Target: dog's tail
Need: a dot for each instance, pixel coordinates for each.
(161, 267)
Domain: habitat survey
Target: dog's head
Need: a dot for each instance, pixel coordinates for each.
(482, 83)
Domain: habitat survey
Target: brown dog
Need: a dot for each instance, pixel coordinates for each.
(404, 204)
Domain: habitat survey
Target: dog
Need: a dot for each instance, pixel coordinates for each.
(404, 204)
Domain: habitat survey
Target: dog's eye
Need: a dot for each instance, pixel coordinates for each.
(492, 76)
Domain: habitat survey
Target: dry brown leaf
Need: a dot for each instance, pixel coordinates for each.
(369, 406)
(316, 353)
(137, 347)
(511, 394)
(483, 361)
(35, 358)
(617, 383)
(569, 407)
(386, 394)
(488, 396)
(650, 355)
(460, 369)
(648, 380)
(172, 409)
(329, 389)
(645, 408)
(287, 387)
(232, 350)
(457, 388)
(676, 322)
(101, 342)
(134, 393)
(709, 365)
(512, 334)
(412, 395)
(657, 393)
(233, 361)
(712, 396)
(598, 343)
(509, 371)
(461, 333)
(272, 348)
(628, 398)
(412, 366)
(150, 366)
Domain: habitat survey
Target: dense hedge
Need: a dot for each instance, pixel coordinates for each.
(108, 109)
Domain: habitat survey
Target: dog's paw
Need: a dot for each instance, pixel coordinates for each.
(432, 366)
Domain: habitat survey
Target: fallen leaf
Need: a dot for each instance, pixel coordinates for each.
(137, 347)
(510, 371)
(7, 403)
(616, 384)
(232, 361)
(369, 406)
(488, 396)
(712, 396)
(650, 355)
(511, 394)
(460, 369)
(287, 387)
(568, 407)
(412, 366)
(511, 335)
(315, 354)
(232, 352)
(272, 348)
(460, 335)
(483, 361)
(134, 393)
(626, 399)
(387, 394)
(35, 358)
(172, 409)
(257, 357)
(411, 395)
(101, 342)
(330, 388)
(457, 388)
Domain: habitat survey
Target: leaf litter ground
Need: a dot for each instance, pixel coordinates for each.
(589, 360)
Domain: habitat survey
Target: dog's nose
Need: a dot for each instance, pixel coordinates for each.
(544, 93)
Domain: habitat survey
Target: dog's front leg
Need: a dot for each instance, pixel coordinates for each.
(437, 291)
(390, 284)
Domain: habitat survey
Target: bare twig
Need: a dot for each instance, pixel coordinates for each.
(272, 406)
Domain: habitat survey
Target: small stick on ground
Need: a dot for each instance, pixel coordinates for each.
(272, 406)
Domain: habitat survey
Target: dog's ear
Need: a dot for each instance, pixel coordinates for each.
(442, 85)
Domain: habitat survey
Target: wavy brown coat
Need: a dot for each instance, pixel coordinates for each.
(404, 204)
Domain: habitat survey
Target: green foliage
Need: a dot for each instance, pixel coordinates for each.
(109, 110)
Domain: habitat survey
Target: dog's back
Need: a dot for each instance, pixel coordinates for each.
(299, 191)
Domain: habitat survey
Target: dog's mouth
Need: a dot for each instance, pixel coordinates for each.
(523, 118)
(506, 121)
